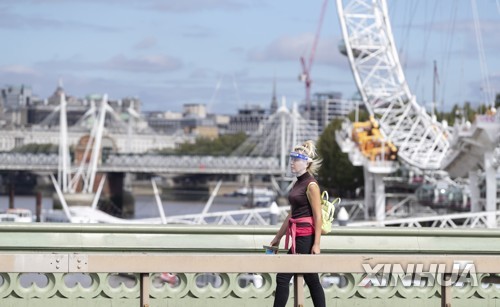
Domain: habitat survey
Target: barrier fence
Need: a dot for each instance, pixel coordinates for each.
(108, 265)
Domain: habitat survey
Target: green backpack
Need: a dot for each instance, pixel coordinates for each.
(327, 211)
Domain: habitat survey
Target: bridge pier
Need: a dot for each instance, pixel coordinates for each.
(379, 197)
(122, 200)
(368, 192)
(491, 188)
(11, 195)
(474, 191)
(374, 195)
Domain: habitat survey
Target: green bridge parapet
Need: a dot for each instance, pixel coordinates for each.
(120, 265)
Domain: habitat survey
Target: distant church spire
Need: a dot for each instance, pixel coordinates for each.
(59, 89)
(274, 101)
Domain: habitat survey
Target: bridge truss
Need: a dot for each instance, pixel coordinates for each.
(149, 163)
(278, 134)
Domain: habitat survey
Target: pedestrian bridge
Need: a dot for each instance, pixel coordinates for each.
(79, 265)
(151, 163)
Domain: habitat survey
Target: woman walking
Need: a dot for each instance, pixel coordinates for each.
(303, 223)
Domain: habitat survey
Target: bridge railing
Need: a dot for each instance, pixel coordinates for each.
(151, 163)
(456, 220)
(72, 265)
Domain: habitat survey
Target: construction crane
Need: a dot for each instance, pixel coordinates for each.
(305, 76)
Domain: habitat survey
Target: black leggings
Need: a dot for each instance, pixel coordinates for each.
(303, 246)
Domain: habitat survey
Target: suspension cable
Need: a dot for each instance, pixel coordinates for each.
(405, 35)
(427, 33)
(482, 57)
(449, 45)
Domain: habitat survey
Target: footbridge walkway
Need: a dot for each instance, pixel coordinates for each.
(79, 265)
(151, 163)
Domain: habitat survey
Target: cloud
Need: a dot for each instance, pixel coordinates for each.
(412, 62)
(184, 6)
(465, 28)
(20, 22)
(197, 32)
(291, 48)
(144, 64)
(237, 50)
(201, 73)
(198, 5)
(18, 70)
(488, 28)
(74, 63)
(288, 48)
(152, 63)
(146, 43)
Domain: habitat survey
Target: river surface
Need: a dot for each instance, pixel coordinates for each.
(145, 206)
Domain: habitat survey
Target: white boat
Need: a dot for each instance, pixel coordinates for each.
(256, 192)
(262, 197)
(18, 215)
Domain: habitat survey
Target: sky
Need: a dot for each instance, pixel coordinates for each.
(227, 53)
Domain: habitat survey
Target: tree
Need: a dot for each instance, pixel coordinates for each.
(497, 101)
(224, 145)
(35, 148)
(363, 115)
(337, 174)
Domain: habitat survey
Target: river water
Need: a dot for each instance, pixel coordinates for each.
(145, 205)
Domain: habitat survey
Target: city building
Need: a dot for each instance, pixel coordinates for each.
(13, 97)
(327, 106)
(221, 121)
(274, 100)
(32, 120)
(199, 127)
(247, 120)
(125, 143)
(195, 110)
(14, 101)
(164, 122)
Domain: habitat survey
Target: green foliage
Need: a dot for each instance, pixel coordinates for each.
(466, 111)
(363, 115)
(224, 145)
(337, 174)
(36, 148)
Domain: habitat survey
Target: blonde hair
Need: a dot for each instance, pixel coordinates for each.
(309, 148)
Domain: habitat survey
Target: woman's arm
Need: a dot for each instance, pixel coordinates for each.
(315, 200)
(281, 232)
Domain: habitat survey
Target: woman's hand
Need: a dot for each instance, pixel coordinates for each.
(315, 249)
(275, 242)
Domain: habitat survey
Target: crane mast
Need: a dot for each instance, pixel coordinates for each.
(305, 76)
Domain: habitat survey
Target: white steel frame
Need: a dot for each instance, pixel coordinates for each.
(381, 82)
(278, 134)
(458, 220)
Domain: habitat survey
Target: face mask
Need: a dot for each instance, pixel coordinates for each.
(298, 163)
(298, 156)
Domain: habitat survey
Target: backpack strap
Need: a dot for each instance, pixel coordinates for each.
(325, 195)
